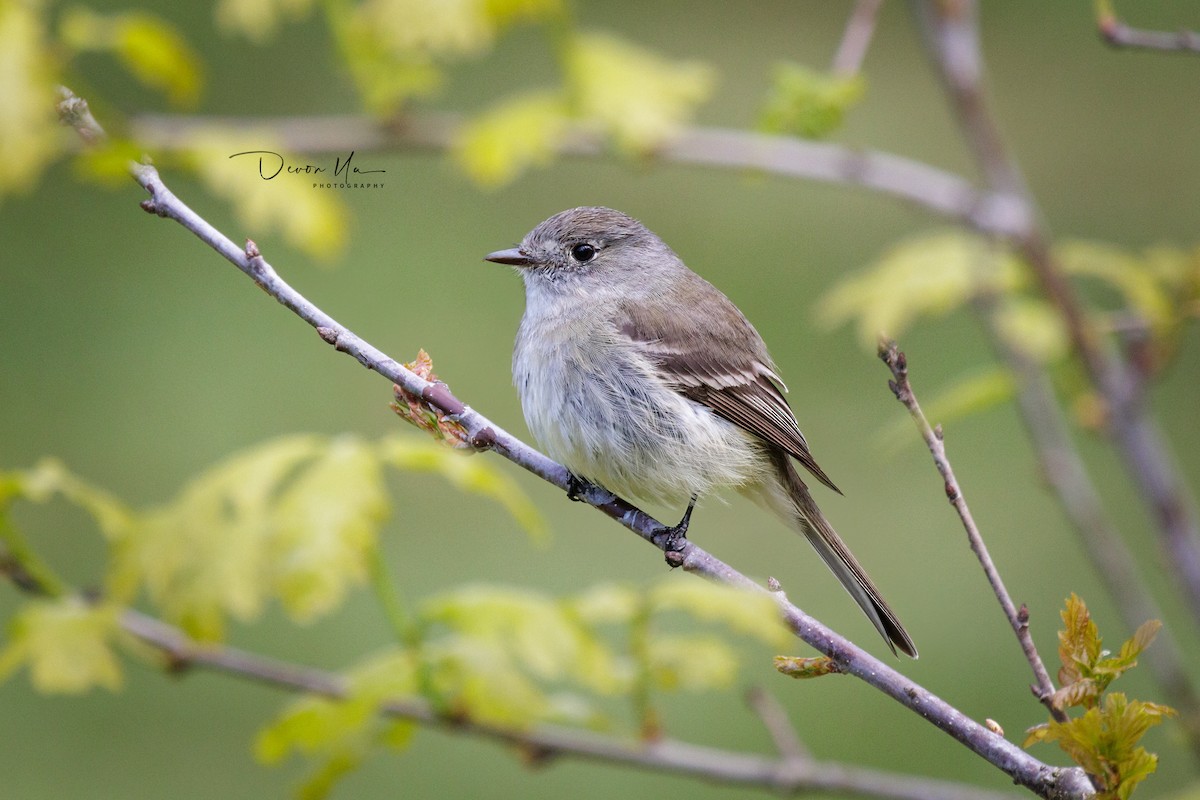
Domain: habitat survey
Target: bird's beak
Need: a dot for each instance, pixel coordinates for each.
(512, 256)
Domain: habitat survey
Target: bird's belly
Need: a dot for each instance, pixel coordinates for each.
(614, 430)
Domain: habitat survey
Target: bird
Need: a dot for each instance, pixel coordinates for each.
(640, 376)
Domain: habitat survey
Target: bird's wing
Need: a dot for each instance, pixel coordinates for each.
(704, 356)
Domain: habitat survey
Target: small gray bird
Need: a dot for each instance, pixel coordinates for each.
(640, 376)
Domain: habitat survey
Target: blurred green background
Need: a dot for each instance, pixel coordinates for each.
(138, 356)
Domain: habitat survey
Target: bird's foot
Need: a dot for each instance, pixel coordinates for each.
(675, 537)
(577, 487)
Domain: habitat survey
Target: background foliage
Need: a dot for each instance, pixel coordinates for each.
(139, 360)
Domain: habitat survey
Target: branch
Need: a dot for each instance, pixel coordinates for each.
(483, 434)
(1118, 34)
(926, 186)
(856, 38)
(1018, 619)
(550, 741)
(1112, 561)
(952, 38)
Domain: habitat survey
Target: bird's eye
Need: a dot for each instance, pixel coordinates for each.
(583, 253)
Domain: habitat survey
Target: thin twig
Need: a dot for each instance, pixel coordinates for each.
(1113, 563)
(953, 40)
(1118, 34)
(550, 741)
(926, 186)
(856, 39)
(1017, 618)
(1044, 780)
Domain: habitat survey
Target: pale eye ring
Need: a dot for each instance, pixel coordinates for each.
(583, 252)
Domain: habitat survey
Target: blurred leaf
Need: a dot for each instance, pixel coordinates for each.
(337, 735)
(311, 219)
(968, 394)
(468, 474)
(804, 668)
(748, 612)
(108, 161)
(504, 12)
(1031, 326)
(50, 479)
(1131, 276)
(433, 27)
(204, 555)
(519, 133)
(809, 103)
(536, 631)
(606, 603)
(632, 94)
(150, 48)
(325, 523)
(29, 132)
(927, 275)
(66, 644)
(258, 20)
(690, 662)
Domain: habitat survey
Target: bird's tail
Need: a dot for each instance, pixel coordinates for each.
(792, 501)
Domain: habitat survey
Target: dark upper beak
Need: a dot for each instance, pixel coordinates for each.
(512, 256)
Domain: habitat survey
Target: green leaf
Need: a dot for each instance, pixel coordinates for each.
(310, 219)
(66, 644)
(29, 132)
(809, 103)
(258, 20)
(205, 554)
(1078, 642)
(969, 394)
(690, 662)
(923, 276)
(606, 603)
(522, 132)
(468, 474)
(1032, 327)
(325, 523)
(150, 48)
(749, 612)
(632, 94)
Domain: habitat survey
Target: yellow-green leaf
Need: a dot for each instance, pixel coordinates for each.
(312, 219)
(469, 474)
(29, 133)
(690, 662)
(204, 555)
(923, 276)
(325, 523)
(748, 612)
(1031, 326)
(634, 95)
(66, 644)
(809, 103)
(258, 20)
(521, 132)
(150, 48)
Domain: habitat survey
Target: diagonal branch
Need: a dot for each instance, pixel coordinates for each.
(1018, 619)
(546, 742)
(483, 434)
